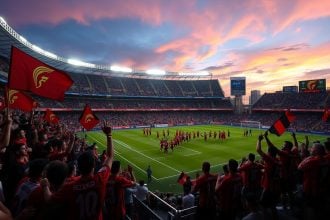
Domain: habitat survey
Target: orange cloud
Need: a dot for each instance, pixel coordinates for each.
(272, 69)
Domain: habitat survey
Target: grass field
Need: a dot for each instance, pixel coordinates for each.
(132, 147)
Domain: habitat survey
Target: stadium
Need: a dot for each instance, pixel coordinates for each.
(147, 108)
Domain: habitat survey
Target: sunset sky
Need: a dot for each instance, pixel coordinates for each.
(273, 43)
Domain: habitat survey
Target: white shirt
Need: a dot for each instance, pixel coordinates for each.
(188, 201)
(141, 192)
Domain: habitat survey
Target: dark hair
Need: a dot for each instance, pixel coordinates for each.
(232, 164)
(272, 151)
(115, 167)
(206, 167)
(36, 167)
(251, 157)
(70, 167)
(225, 168)
(327, 145)
(141, 182)
(288, 144)
(56, 143)
(86, 163)
(56, 172)
(16, 147)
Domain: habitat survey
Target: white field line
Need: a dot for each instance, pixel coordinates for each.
(159, 158)
(127, 146)
(195, 151)
(187, 155)
(162, 178)
(167, 177)
(130, 162)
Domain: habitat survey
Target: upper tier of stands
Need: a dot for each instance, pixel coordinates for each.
(123, 86)
(279, 100)
(136, 104)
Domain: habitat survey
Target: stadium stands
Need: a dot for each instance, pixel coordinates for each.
(123, 86)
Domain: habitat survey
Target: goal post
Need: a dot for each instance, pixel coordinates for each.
(251, 124)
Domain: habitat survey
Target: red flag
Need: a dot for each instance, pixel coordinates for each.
(326, 114)
(281, 124)
(18, 100)
(51, 117)
(88, 119)
(182, 178)
(29, 74)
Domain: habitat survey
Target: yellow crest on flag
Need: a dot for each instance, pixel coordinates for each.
(11, 96)
(38, 81)
(88, 118)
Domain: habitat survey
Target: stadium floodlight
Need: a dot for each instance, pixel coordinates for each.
(156, 72)
(51, 55)
(23, 40)
(120, 69)
(37, 49)
(80, 63)
(202, 73)
(3, 20)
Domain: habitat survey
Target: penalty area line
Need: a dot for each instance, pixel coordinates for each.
(130, 162)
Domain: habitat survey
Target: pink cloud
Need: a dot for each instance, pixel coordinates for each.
(269, 70)
(209, 27)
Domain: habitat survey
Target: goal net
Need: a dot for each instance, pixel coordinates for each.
(251, 124)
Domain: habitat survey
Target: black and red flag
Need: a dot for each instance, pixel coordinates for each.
(50, 117)
(326, 115)
(15, 99)
(30, 74)
(88, 119)
(281, 124)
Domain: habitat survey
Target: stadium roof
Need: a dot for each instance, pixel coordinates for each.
(9, 37)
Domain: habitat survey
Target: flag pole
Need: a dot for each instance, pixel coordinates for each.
(9, 76)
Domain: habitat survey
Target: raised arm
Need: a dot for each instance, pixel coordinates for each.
(295, 142)
(107, 130)
(258, 148)
(269, 143)
(71, 138)
(306, 141)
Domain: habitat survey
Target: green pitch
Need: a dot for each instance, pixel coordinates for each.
(138, 150)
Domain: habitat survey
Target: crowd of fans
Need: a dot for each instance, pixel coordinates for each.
(142, 104)
(295, 176)
(305, 122)
(78, 180)
(301, 100)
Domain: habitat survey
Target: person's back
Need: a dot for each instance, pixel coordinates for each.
(230, 192)
(115, 187)
(56, 172)
(251, 175)
(85, 195)
(188, 201)
(142, 191)
(27, 187)
(205, 185)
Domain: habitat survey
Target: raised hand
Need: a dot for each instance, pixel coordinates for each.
(106, 128)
